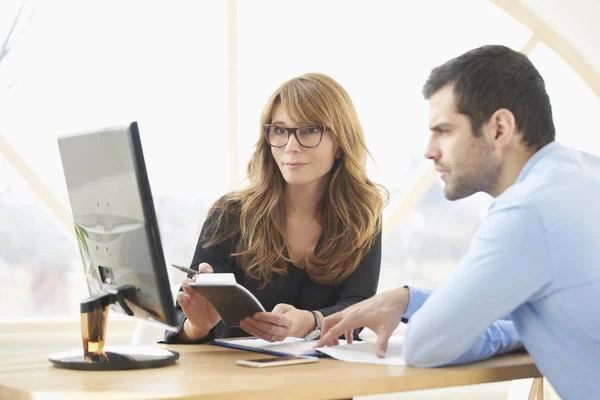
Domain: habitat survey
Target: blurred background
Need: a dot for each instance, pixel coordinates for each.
(196, 75)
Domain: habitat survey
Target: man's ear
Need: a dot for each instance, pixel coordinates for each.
(503, 128)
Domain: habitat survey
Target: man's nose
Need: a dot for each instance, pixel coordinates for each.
(432, 152)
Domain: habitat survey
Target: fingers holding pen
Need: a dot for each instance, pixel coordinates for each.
(203, 268)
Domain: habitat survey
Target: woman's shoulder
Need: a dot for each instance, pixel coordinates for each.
(225, 211)
(230, 203)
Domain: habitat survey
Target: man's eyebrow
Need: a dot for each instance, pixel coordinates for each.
(440, 126)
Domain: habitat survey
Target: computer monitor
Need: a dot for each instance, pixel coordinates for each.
(119, 242)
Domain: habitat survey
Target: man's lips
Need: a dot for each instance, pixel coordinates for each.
(443, 173)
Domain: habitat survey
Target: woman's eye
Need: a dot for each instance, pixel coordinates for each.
(280, 131)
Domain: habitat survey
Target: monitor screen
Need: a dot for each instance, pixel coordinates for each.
(115, 222)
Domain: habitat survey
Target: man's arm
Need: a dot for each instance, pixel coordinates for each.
(504, 268)
(499, 338)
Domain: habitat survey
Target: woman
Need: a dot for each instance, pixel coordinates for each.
(305, 236)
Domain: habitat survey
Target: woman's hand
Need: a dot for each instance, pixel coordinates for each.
(200, 313)
(284, 321)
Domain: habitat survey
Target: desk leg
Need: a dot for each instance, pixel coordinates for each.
(537, 389)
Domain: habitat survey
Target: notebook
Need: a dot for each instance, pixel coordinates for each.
(232, 301)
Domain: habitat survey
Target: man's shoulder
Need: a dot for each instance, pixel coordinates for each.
(562, 184)
(550, 175)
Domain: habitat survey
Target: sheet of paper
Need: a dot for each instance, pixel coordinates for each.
(364, 352)
(225, 279)
(289, 345)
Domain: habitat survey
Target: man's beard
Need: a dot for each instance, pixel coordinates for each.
(477, 170)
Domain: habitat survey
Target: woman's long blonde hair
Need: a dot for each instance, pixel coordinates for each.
(352, 206)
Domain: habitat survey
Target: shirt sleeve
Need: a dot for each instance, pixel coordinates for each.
(466, 319)
(361, 284)
(416, 299)
(218, 258)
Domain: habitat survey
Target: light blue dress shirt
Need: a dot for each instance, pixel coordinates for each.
(531, 277)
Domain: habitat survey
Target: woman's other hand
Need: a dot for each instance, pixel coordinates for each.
(284, 321)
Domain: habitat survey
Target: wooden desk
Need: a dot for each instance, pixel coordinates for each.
(205, 371)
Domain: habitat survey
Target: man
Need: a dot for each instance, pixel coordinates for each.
(532, 274)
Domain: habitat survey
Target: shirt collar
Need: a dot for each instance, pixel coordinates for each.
(537, 156)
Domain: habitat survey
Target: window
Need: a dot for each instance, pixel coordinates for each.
(574, 105)
(79, 66)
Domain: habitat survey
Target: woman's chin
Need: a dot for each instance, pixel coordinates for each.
(297, 178)
(296, 181)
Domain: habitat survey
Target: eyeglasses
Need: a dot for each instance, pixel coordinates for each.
(306, 136)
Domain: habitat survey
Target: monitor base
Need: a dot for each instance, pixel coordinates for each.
(115, 358)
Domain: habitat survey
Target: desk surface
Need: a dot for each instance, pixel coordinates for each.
(205, 371)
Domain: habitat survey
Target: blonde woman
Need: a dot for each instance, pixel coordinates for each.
(305, 236)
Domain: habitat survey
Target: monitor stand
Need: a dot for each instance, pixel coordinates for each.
(93, 356)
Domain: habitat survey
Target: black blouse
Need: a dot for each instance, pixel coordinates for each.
(295, 288)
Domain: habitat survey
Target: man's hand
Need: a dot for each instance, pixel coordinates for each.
(285, 320)
(381, 313)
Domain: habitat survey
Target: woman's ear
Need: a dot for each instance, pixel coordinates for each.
(339, 153)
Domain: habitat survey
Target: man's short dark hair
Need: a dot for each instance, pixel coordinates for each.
(492, 77)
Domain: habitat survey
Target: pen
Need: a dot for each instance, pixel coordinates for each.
(184, 269)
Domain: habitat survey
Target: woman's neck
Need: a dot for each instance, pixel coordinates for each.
(305, 200)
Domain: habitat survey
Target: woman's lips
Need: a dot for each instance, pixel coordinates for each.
(294, 165)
